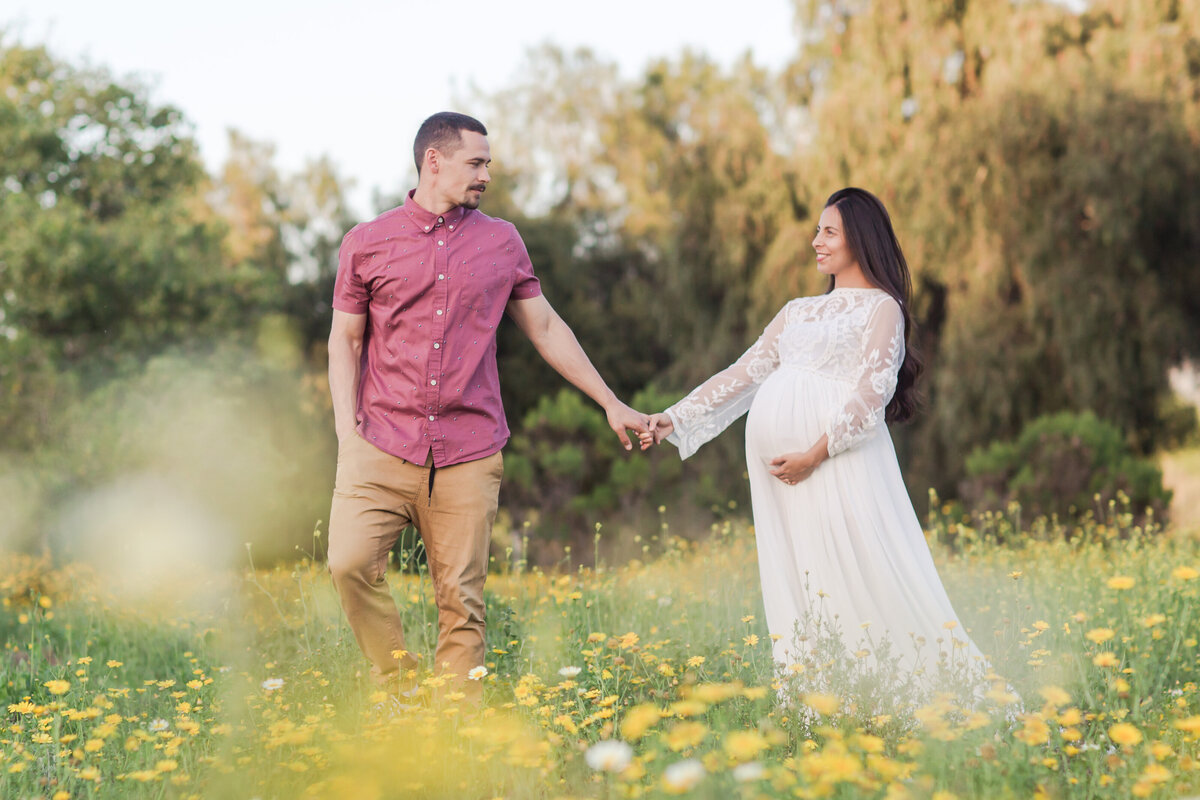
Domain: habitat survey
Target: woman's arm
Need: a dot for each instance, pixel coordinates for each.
(714, 404)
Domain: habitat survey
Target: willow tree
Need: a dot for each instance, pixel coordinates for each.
(1042, 168)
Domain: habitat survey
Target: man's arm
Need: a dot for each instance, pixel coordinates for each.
(345, 360)
(555, 342)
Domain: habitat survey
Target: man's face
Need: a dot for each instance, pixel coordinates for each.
(463, 175)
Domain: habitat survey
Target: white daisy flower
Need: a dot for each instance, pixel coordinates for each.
(610, 755)
(683, 776)
(271, 684)
(750, 771)
(477, 673)
(570, 672)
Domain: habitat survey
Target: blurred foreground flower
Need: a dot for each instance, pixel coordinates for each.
(1124, 734)
(58, 687)
(271, 684)
(610, 755)
(752, 771)
(569, 672)
(683, 776)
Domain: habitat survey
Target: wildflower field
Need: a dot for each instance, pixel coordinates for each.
(648, 679)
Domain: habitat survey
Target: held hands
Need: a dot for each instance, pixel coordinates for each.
(659, 428)
(622, 418)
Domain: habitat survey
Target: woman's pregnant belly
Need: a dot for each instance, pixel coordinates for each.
(791, 411)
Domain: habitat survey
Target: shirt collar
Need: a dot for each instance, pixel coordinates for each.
(427, 221)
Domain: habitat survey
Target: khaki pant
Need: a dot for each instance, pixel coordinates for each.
(375, 497)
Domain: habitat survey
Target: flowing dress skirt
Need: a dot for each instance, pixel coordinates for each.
(848, 532)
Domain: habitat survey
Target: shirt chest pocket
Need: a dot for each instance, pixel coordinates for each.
(485, 291)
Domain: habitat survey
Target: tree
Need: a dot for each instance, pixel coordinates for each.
(1041, 167)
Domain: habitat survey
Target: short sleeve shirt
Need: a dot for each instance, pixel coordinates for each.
(433, 288)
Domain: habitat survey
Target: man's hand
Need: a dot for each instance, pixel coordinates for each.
(622, 418)
(658, 428)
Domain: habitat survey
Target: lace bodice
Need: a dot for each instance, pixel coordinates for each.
(851, 335)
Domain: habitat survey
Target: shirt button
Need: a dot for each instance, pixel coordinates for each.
(440, 243)
(431, 417)
(439, 312)
(436, 345)
(441, 277)
(433, 383)
(441, 220)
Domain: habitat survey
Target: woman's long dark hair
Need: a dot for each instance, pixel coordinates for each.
(874, 245)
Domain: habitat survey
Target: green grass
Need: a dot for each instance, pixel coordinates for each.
(246, 683)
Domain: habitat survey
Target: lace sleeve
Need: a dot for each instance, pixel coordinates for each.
(882, 355)
(714, 404)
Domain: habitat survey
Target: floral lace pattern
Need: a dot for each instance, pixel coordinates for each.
(855, 336)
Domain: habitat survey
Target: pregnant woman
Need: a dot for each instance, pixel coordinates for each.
(837, 535)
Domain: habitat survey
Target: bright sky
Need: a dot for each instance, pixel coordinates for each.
(317, 77)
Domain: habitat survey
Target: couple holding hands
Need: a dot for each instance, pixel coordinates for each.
(419, 294)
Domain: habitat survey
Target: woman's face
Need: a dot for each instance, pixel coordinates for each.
(833, 251)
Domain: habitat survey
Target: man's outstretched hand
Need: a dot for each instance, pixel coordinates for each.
(622, 418)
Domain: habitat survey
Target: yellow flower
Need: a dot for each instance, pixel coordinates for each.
(1035, 731)
(57, 687)
(1185, 574)
(695, 661)
(822, 703)
(686, 734)
(1121, 582)
(1106, 659)
(750, 640)
(870, 744)
(744, 746)
(1055, 696)
(638, 720)
(1124, 734)
(1099, 635)
(1072, 716)
(628, 640)
(1190, 724)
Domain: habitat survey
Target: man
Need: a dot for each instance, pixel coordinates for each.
(419, 294)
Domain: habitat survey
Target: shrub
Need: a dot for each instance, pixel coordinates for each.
(1062, 464)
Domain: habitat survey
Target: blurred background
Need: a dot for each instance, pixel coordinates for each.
(165, 273)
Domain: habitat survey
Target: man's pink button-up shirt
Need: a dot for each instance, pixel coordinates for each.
(434, 288)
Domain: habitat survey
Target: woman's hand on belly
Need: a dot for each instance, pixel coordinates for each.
(791, 468)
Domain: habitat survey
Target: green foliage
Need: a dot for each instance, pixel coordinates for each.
(1066, 464)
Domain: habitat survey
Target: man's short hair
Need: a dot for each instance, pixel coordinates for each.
(443, 131)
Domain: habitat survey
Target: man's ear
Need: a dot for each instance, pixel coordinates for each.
(432, 160)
